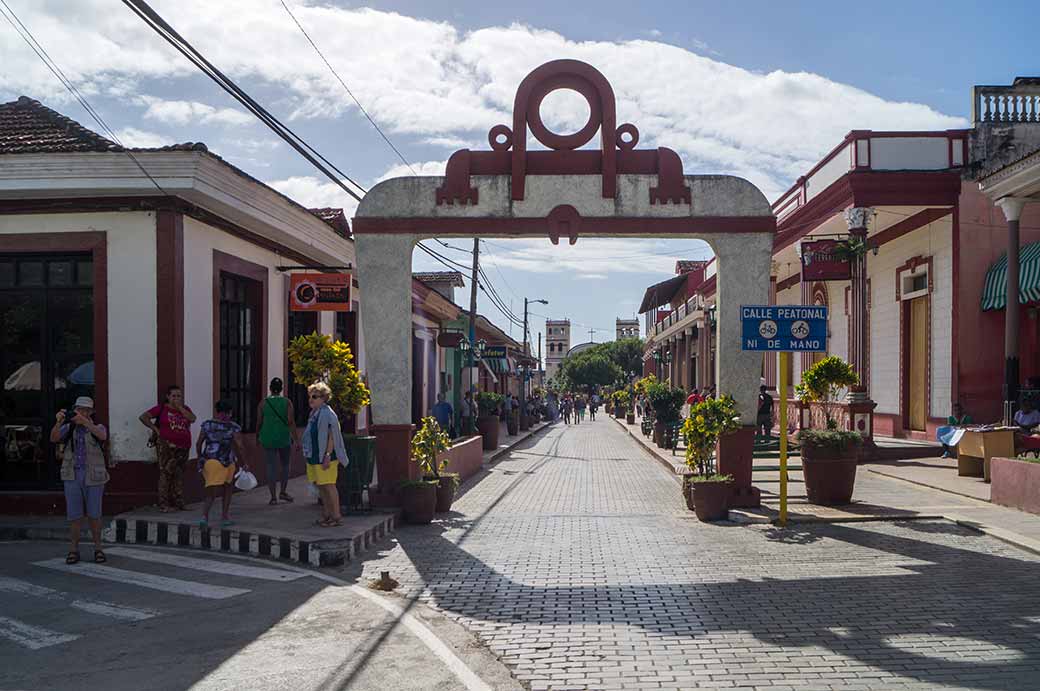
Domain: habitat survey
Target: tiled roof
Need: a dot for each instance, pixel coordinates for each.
(335, 218)
(29, 127)
(454, 278)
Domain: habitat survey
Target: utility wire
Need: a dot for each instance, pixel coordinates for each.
(347, 88)
(167, 32)
(23, 31)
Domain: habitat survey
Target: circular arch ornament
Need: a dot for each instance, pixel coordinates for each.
(564, 141)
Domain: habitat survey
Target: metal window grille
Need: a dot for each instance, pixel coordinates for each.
(239, 347)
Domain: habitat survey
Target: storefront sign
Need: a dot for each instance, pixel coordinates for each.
(494, 351)
(319, 293)
(788, 328)
(821, 262)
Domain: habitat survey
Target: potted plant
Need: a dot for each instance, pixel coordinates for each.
(829, 456)
(488, 404)
(667, 404)
(429, 442)
(707, 492)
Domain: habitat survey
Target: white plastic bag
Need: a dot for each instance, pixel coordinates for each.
(312, 490)
(245, 481)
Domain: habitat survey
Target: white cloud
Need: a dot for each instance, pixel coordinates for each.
(184, 112)
(418, 168)
(593, 258)
(431, 81)
(133, 137)
(315, 192)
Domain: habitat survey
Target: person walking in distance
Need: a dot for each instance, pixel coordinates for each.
(219, 447)
(170, 423)
(466, 413)
(276, 421)
(83, 472)
(579, 409)
(321, 441)
(566, 408)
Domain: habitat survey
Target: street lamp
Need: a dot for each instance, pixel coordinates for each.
(523, 383)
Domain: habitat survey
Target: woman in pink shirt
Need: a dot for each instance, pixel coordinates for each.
(170, 423)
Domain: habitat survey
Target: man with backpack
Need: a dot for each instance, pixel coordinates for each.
(84, 472)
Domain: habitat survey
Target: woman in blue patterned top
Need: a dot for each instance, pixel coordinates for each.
(219, 445)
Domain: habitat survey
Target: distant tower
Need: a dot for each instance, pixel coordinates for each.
(557, 343)
(626, 328)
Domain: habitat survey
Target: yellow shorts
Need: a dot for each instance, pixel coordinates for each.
(215, 474)
(320, 476)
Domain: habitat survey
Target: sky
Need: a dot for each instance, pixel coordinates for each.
(757, 89)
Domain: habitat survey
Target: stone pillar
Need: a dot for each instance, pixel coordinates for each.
(743, 279)
(861, 407)
(1012, 209)
(385, 274)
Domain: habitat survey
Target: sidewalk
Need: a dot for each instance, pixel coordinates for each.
(880, 496)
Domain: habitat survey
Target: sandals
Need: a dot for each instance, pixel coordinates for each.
(99, 557)
(72, 558)
(285, 497)
(273, 502)
(326, 523)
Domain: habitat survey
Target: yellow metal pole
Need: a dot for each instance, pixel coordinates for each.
(784, 358)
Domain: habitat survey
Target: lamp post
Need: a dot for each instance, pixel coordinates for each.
(523, 381)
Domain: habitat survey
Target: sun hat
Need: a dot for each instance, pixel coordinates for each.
(84, 402)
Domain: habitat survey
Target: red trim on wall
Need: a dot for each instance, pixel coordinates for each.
(539, 226)
(97, 244)
(169, 300)
(908, 225)
(788, 282)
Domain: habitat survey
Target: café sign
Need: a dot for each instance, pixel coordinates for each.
(822, 261)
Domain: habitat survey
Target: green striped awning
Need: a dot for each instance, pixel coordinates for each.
(994, 290)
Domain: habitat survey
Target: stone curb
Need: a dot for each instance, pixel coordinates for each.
(890, 476)
(331, 552)
(668, 465)
(502, 452)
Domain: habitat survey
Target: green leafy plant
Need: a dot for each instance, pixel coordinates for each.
(666, 402)
(708, 420)
(640, 385)
(828, 439)
(823, 383)
(621, 398)
(428, 442)
(850, 249)
(318, 358)
(488, 403)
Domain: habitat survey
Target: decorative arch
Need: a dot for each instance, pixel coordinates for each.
(613, 190)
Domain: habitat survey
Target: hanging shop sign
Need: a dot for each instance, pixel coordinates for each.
(821, 261)
(319, 292)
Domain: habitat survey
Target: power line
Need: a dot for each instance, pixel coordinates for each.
(346, 88)
(168, 33)
(26, 35)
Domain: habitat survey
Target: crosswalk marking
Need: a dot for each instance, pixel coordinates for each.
(105, 609)
(32, 637)
(145, 580)
(211, 565)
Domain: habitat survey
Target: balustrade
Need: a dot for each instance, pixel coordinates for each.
(1019, 102)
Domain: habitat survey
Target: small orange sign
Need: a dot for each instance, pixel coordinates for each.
(319, 293)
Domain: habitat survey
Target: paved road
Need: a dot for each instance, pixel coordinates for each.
(575, 560)
(172, 619)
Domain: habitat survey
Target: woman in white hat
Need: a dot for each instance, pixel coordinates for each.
(84, 472)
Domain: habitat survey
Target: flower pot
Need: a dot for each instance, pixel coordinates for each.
(418, 502)
(489, 429)
(525, 423)
(630, 418)
(446, 492)
(659, 432)
(513, 425)
(710, 500)
(830, 474)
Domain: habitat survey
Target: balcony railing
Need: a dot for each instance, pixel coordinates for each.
(679, 313)
(1019, 102)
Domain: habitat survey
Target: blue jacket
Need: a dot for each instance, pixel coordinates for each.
(326, 421)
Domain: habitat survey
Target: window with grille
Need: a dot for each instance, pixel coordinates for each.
(240, 364)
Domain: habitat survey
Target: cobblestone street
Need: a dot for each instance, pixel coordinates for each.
(574, 559)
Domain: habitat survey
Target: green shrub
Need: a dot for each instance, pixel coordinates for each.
(708, 420)
(488, 403)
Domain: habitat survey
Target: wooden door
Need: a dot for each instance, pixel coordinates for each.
(918, 375)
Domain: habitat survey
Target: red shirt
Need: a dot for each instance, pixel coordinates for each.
(174, 428)
(693, 398)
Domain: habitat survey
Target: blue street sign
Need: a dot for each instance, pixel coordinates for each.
(791, 328)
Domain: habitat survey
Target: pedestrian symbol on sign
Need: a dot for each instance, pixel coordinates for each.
(767, 328)
(800, 329)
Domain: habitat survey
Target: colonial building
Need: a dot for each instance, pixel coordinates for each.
(626, 328)
(557, 344)
(123, 272)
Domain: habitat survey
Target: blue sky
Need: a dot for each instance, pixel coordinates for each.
(757, 89)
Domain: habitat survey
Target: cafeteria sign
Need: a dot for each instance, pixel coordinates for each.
(788, 328)
(319, 293)
(821, 261)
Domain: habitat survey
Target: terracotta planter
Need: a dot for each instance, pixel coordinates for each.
(659, 431)
(830, 474)
(418, 502)
(488, 427)
(525, 423)
(513, 425)
(630, 418)
(1016, 484)
(710, 500)
(445, 493)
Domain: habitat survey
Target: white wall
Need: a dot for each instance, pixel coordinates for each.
(131, 313)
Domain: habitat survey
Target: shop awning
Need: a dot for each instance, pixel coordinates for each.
(498, 365)
(994, 290)
(661, 293)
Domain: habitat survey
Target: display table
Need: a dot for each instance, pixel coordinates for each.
(977, 447)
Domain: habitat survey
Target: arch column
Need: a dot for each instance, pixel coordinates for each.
(385, 270)
(743, 279)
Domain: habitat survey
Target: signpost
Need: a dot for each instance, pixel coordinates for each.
(324, 292)
(785, 329)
